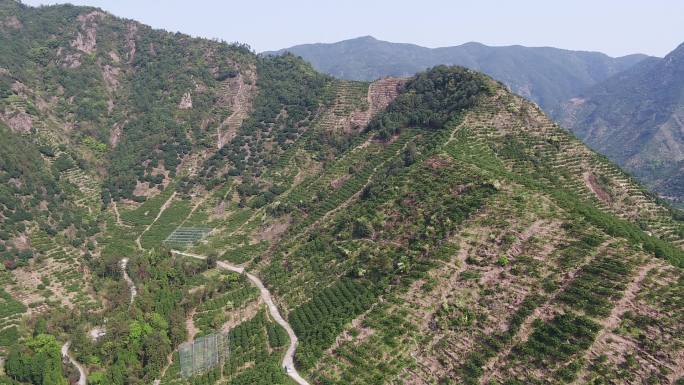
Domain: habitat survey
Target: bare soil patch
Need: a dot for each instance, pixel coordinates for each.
(236, 94)
(337, 183)
(185, 102)
(86, 38)
(12, 22)
(437, 162)
(190, 326)
(274, 230)
(242, 314)
(592, 184)
(144, 189)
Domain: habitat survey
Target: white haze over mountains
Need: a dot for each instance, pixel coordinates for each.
(615, 27)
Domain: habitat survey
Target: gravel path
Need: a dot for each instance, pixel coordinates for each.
(81, 370)
(288, 360)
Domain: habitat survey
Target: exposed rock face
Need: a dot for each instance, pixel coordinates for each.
(20, 89)
(114, 56)
(22, 242)
(115, 135)
(19, 122)
(131, 35)
(185, 102)
(85, 43)
(86, 38)
(111, 76)
(11, 22)
(72, 60)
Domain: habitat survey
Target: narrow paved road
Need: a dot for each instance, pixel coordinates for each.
(288, 360)
(81, 370)
(129, 281)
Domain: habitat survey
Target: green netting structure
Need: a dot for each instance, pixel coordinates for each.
(203, 354)
(186, 236)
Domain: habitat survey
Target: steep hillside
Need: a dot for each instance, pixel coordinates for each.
(127, 99)
(548, 76)
(435, 229)
(635, 118)
(501, 236)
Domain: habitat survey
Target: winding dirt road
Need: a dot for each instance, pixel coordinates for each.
(79, 367)
(288, 360)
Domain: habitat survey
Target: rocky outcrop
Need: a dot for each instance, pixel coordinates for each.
(86, 37)
(19, 122)
(185, 102)
(11, 22)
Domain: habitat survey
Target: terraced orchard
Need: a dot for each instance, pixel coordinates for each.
(430, 230)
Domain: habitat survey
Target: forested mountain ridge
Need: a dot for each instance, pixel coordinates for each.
(435, 229)
(635, 118)
(548, 76)
(108, 104)
(130, 94)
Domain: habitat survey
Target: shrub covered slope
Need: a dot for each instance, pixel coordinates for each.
(436, 229)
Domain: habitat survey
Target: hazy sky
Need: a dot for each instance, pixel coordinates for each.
(616, 27)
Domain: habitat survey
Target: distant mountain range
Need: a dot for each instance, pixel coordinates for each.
(629, 108)
(636, 118)
(436, 228)
(548, 76)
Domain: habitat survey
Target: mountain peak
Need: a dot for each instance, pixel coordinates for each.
(365, 38)
(676, 56)
(556, 76)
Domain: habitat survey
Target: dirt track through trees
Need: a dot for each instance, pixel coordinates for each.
(288, 360)
(159, 214)
(79, 367)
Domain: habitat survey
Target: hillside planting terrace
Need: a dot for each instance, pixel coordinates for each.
(435, 229)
